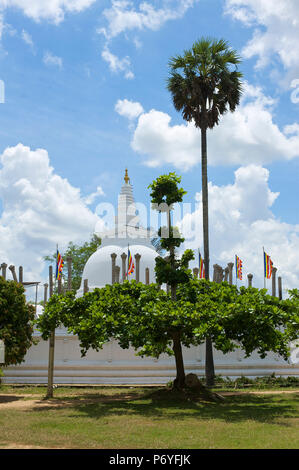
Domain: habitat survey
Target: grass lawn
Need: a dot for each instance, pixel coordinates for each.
(136, 417)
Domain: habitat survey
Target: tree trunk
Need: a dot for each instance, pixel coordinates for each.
(209, 366)
(179, 382)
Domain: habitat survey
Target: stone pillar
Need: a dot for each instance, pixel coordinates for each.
(226, 272)
(279, 288)
(85, 286)
(137, 259)
(250, 277)
(215, 266)
(195, 272)
(117, 274)
(50, 281)
(13, 271)
(3, 267)
(220, 274)
(230, 273)
(21, 274)
(59, 286)
(69, 273)
(124, 266)
(147, 279)
(274, 271)
(45, 294)
(113, 258)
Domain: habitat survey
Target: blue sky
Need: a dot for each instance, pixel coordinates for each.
(66, 65)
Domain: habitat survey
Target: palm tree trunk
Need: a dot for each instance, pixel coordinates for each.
(209, 365)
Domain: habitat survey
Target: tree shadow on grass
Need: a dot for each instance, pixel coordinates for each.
(10, 398)
(173, 405)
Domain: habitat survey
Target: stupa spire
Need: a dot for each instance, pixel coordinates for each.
(126, 178)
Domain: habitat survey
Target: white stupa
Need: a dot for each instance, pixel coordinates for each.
(128, 234)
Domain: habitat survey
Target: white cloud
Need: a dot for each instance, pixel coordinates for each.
(39, 209)
(93, 196)
(241, 223)
(116, 64)
(52, 10)
(52, 60)
(276, 31)
(27, 39)
(128, 109)
(123, 16)
(249, 135)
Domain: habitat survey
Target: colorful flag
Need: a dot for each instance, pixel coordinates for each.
(131, 265)
(268, 265)
(59, 265)
(201, 267)
(239, 265)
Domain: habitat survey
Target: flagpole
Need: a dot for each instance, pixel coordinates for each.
(56, 266)
(264, 267)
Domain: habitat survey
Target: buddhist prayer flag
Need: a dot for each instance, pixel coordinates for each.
(239, 266)
(59, 265)
(201, 266)
(268, 265)
(131, 265)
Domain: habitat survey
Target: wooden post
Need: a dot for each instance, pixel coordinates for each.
(279, 288)
(85, 286)
(69, 273)
(274, 271)
(137, 258)
(250, 277)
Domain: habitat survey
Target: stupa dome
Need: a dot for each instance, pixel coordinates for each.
(98, 269)
(128, 234)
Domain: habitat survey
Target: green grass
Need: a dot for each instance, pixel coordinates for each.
(128, 417)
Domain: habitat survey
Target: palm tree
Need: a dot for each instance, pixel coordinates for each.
(205, 83)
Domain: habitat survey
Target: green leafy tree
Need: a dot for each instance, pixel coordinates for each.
(165, 192)
(146, 318)
(16, 321)
(79, 254)
(205, 83)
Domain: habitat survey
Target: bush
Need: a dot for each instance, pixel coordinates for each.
(268, 381)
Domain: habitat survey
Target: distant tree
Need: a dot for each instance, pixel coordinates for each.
(16, 321)
(204, 83)
(79, 254)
